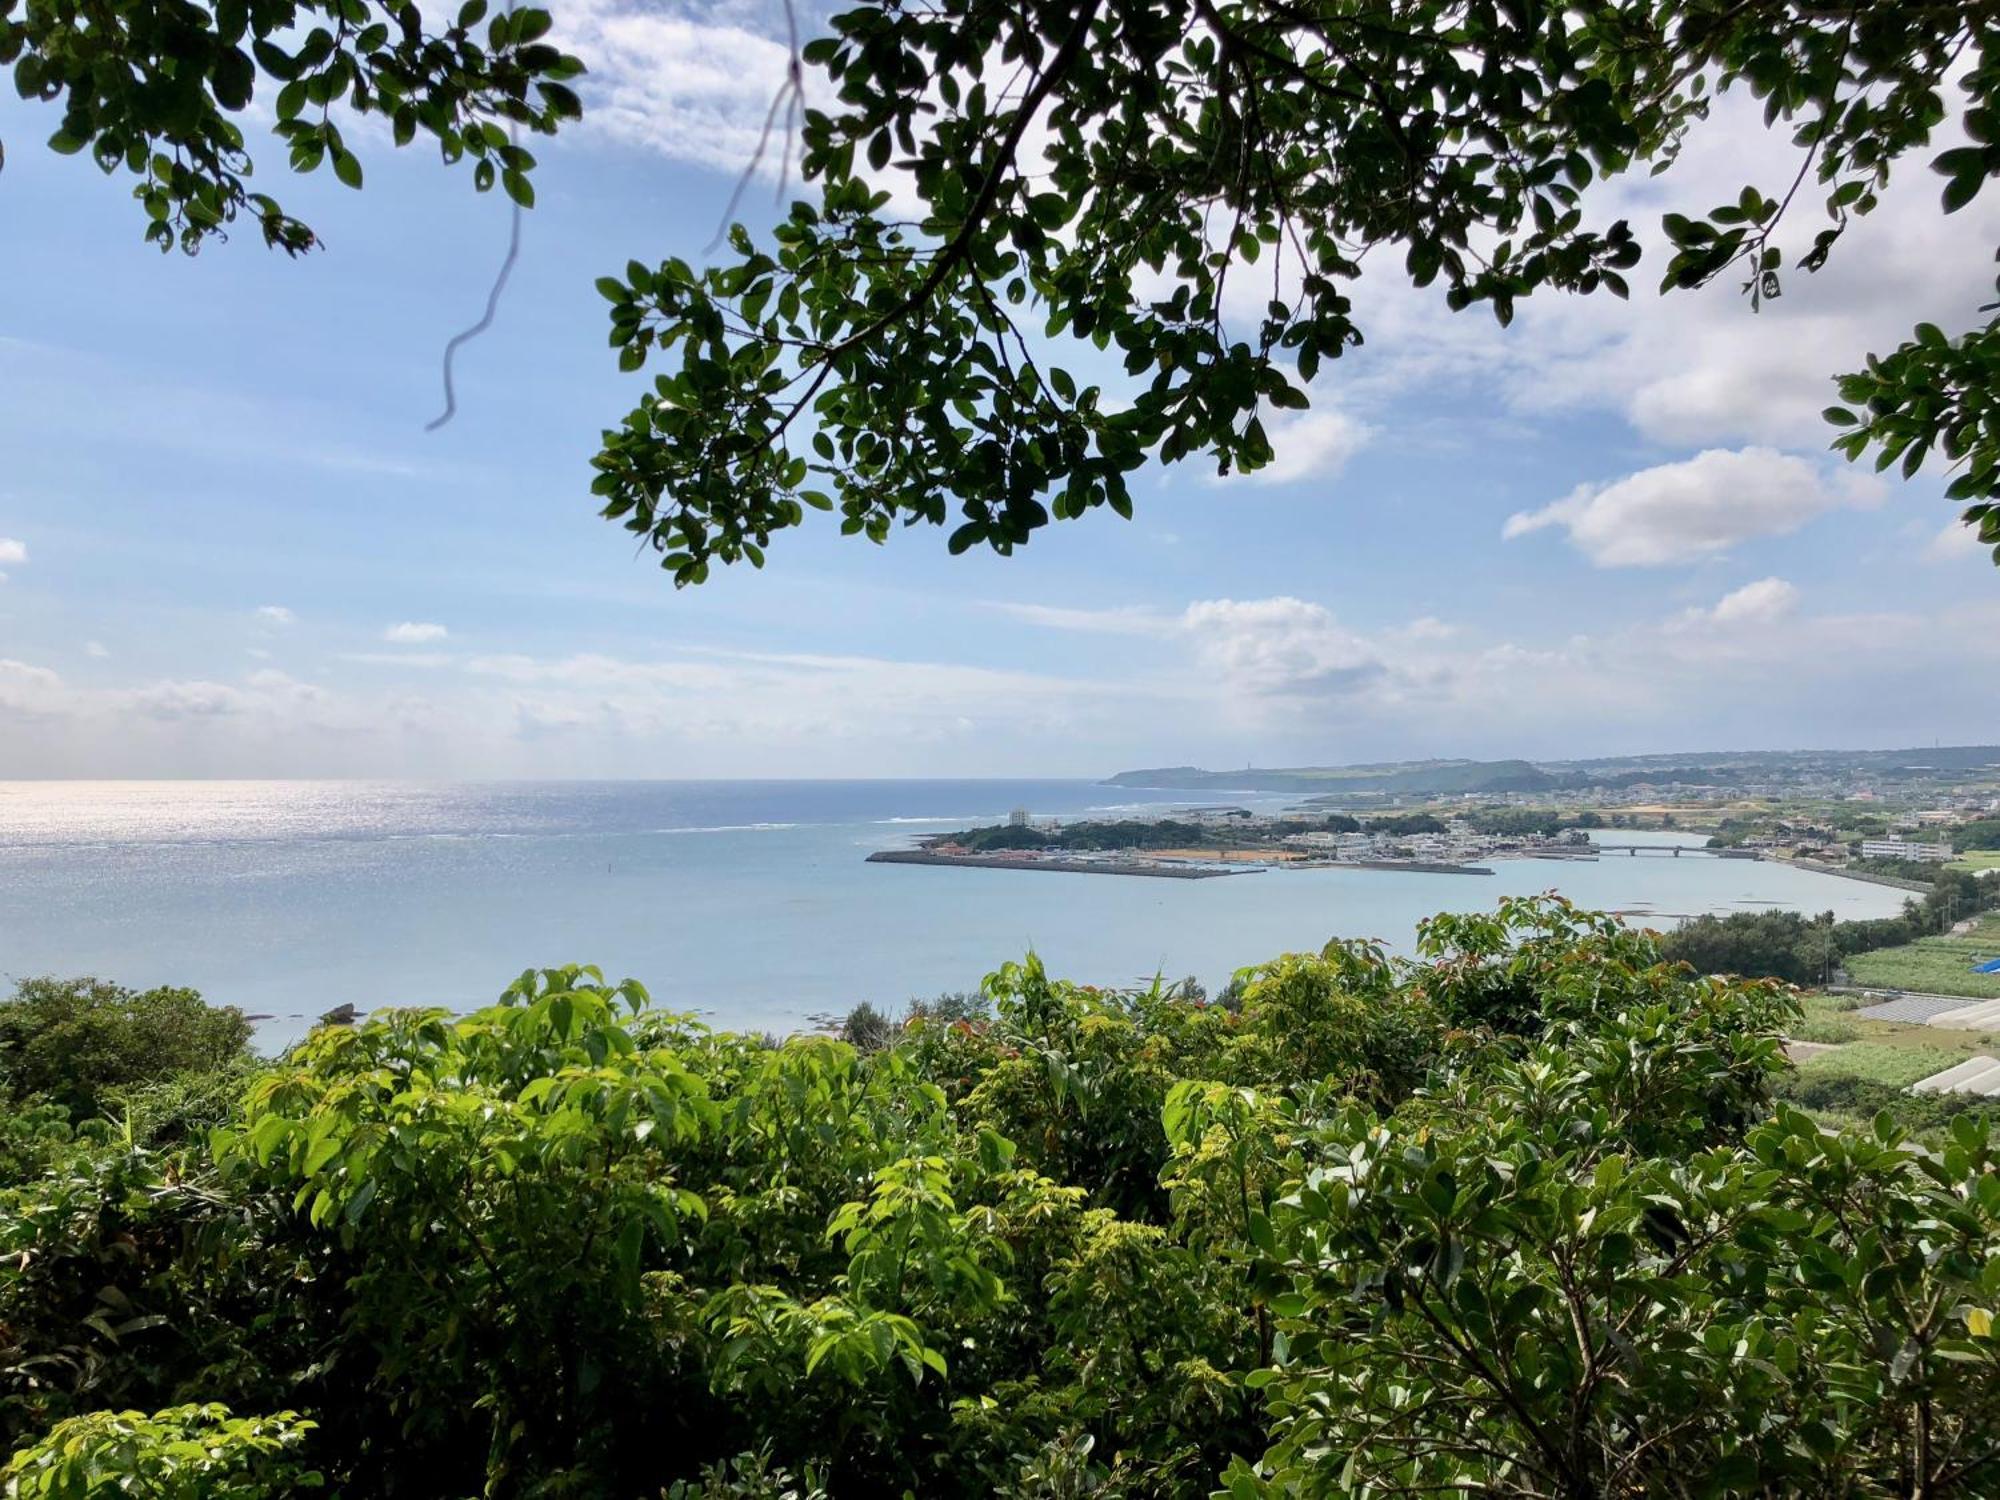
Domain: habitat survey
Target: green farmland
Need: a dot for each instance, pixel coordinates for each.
(1935, 965)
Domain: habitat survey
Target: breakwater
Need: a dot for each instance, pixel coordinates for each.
(1061, 866)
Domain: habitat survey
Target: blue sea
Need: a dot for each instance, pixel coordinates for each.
(748, 901)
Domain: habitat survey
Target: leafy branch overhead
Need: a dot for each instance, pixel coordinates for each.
(996, 186)
(160, 91)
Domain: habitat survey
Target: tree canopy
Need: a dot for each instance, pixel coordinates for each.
(1002, 188)
(161, 92)
(991, 191)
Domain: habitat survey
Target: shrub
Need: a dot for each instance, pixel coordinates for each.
(79, 1041)
(183, 1453)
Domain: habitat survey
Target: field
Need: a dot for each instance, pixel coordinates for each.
(1900, 1060)
(1873, 1062)
(1976, 860)
(1935, 965)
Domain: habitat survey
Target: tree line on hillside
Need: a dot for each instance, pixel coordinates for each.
(1981, 833)
(1134, 833)
(1797, 949)
(1176, 833)
(1519, 1215)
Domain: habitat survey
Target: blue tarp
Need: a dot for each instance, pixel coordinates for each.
(1991, 966)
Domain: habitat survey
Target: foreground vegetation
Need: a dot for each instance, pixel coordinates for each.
(1519, 1218)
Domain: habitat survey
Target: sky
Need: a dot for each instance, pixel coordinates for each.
(231, 549)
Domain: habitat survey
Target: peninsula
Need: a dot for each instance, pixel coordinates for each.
(1195, 843)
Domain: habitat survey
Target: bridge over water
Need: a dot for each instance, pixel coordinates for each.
(1676, 851)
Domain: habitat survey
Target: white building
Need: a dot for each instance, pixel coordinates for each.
(1893, 848)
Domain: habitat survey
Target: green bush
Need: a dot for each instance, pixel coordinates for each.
(78, 1042)
(184, 1453)
(1514, 1215)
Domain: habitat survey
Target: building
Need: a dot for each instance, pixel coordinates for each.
(1909, 849)
(1018, 818)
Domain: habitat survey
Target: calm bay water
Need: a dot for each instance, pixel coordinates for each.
(748, 901)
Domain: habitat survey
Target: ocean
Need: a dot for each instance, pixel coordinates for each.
(747, 901)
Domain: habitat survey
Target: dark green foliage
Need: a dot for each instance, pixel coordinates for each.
(1900, 869)
(901, 365)
(161, 92)
(1762, 945)
(1514, 822)
(866, 1029)
(1865, 1098)
(1983, 833)
(33, 1133)
(1331, 823)
(1504, 1219)
(1402, 825)
(1799, 950)
(81, 1042)
(1167, 833)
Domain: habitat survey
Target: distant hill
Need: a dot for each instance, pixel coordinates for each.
(1452, 777)
(1413, 778)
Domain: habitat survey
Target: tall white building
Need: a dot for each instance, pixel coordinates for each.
(1893, 848)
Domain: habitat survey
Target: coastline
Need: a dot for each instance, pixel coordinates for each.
(1819, 867)
(1060, 866)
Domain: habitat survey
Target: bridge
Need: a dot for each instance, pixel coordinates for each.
(1676, 850)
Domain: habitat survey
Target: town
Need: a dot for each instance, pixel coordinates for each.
(1195, 843)
(1880, 816)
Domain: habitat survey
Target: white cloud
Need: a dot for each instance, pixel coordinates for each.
(1280, 646)
(399, 658)
(1681, 512)
(276, 614)
(694, 87)
(1308, 445)
(414, 633)
(1426, 628)
(1956, 540)
(1760, 603)
(28, 691)
(1247, 647)
(95, 649)
(1131, 620)
(12, 551)
(1766, 599)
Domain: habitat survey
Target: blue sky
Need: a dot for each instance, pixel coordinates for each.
(231, 549)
